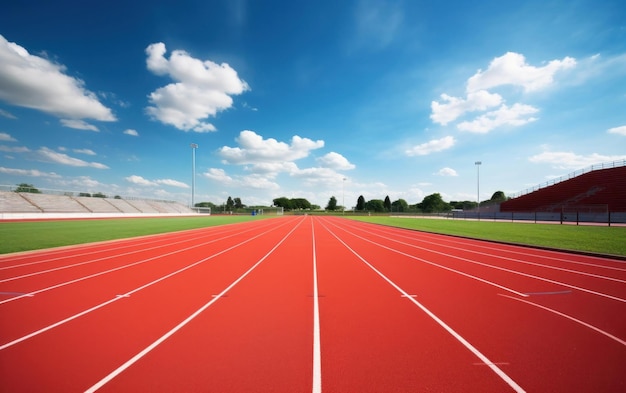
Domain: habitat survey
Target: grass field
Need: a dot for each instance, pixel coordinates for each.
(31, 235)
(595, 239)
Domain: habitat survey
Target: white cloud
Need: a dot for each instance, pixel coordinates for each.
(512, 69)
(4, 137)
(218, 175)
(516, 115)
(453, 107)
(259, 182)
(28, 172)
(16, 149)
(570, 160)
(131, 132)
(617, 130)
(37, 83)
(433, 146)
(83, 182)
(447, 172)
(139, 180)
(8, 115)
(88, 152)
(335, 161)
(318, 176)
(256, 150)
(79, 125)
(201, 89)
(508, 69)
(47, 155)
(171, 183)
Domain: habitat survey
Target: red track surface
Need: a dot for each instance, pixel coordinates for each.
(310, 304)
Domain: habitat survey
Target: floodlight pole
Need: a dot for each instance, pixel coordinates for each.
(193, 173)
(343, 196)
(478, 163)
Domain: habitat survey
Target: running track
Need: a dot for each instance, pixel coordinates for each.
(310, 304)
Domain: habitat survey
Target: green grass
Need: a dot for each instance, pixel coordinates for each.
(596, 239)
(31, 235)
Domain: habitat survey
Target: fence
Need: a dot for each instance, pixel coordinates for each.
(565, 216)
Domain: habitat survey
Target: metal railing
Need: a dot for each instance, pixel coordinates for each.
(606, 165)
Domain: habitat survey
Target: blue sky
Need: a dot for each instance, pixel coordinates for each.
(309, 99)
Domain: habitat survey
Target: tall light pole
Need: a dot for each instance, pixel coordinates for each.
(478, 163)
(343, 196)
(193, 173)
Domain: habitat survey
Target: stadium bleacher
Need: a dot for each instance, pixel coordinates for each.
(597, 189)
(18, 203)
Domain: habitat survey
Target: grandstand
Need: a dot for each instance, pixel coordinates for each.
(596, 191)
(41, 205)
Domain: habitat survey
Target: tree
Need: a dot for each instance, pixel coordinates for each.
(238, 204)
(498, 196)
(300, 203)
(24, 187)
(282, 202)
(360, 203)
(332, 204)
(211, 205)
(463, 205)
(400, 205)
(434, 204)
(230, 204)
(292, 204)
(376, 205)
(387, 203)
(99, 195)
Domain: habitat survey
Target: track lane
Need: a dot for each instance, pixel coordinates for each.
(593, 307)
(518, 332)
(120, 329)
(375, 339)
(258, 337)
(371, 338)
(50, 304)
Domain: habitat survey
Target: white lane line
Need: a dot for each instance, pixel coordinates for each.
(609, 335)
(123, 254)
(493, 366)
(118, 297)
(317, 352)
(31, 294)
(68, 254)
(489, 266)
(438, 265)
(182, 324)
(599, 276)
(511, 249)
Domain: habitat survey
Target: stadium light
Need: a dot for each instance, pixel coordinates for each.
(343, 196)
(478, 163)
(193, 146)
